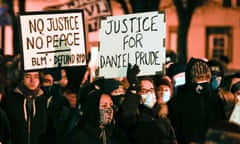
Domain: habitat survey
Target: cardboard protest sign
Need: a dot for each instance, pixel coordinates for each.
(94, 10)
(235, 116)
(50, 39)
(134, 38)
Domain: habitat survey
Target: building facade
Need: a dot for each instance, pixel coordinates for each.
(214, 31)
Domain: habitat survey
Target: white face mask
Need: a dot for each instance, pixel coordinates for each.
(166, 96)
(149, 99)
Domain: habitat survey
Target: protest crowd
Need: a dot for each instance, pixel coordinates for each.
(182, 106)
(138, 93)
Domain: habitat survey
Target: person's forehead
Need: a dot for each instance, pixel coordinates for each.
(31, 73)
(105, 98)
(163, 86)
(48, 76)
(147, 84)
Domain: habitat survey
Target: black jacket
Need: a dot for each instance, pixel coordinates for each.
(4, 128)
(143, 125)
(88, 130)
(27, 116)
(191, 114)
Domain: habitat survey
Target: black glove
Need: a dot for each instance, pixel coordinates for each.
(98, 83)
(132, 72)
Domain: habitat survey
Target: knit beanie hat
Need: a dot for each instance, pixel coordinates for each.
(175, 69)
(197, 68)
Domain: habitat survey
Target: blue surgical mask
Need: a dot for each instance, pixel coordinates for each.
(215, 82)
(179, 81)
(166, 96)
(149, 99)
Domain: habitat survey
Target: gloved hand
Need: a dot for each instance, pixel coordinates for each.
(132, 72)
(98, 83)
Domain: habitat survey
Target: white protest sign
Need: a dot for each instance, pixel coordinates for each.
(50, 39)
(235, 116)
(136, 39)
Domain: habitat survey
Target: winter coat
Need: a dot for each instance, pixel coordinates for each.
(27, 116)
(143, 125)
(191, 114)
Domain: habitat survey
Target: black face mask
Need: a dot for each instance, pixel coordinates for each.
(201, 88)
(47, 88)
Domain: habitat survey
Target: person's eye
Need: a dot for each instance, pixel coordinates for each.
(27, 76)
(103, 105)
(36, 77)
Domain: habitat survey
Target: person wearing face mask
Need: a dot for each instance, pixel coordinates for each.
(228, 131)
(194, 109)
(164, 90)
(164, 94)
(140, 111)
(116, 90)
(176, 72)
(217, 86)
(97, 123)
(235, 89)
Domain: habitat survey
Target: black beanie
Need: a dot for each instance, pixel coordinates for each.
(175, 69)
(110, 85)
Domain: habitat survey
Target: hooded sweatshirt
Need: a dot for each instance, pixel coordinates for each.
(89, 131)
(27, 114)
(192, 113)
